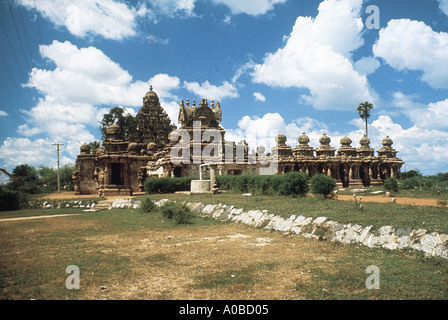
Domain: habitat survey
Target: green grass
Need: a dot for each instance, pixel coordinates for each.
(433, 219)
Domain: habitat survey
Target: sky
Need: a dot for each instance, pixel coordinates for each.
(275, 66)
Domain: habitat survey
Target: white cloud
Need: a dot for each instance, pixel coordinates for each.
(212, 92)
(253, 7)
(76, 93)
(431, 116)
(107, 18)
(420, 49)
(3, 113)
(366, 65)
(317, 56)
(443, 5)
(171, 8)
(259, 97)
(423, 148)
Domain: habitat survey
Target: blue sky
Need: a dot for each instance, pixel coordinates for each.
(286, 66)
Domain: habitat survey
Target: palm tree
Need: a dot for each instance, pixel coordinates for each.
(364, 111)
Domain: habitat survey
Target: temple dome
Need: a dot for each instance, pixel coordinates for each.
(346, 141)
(364, 141)
(280, 139)
(387, 141)
(304, 139)
(325, 140)
(151, 96)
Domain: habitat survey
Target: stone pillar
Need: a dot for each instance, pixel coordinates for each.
(213, 183)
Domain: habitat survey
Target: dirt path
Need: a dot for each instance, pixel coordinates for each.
(398, 200)
(38, 217)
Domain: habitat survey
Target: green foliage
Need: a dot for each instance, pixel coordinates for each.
(126, 122)
(49, 177)
(180, 213)
(411, 174)
(94, 146)
(290, 184)
(168, 185)
(26, 180)
(147, 205)
(391, 184)
(13, 199)
(322, 184)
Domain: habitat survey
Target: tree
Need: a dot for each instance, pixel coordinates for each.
(94, 146)
(118, 116)
(364, 111)
(26, 179)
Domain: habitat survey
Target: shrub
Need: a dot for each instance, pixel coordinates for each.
(180, 213)
(147, 205)
(391, 184)
(294, 183)
(13, 200)
(290, 184)
(322, 184)
(168, 185)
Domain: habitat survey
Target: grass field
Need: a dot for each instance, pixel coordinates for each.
(125, 254)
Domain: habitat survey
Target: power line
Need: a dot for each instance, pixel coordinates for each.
(48, 80)
(24, 32)
(18, 34)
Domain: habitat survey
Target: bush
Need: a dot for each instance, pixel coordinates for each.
(294, 183)
(180, 213)
(290, 184)
(13, 200)
(391, 184)
(147, 205)
(168, 185)
(322, 184)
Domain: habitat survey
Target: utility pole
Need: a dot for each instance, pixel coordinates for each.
(59, 180)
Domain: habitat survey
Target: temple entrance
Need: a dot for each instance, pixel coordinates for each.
(115, 176)
(177, 172)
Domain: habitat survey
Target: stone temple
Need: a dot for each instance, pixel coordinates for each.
(157, 148)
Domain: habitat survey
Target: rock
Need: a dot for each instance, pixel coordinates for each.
(385, 230)
(429, 242)
(403, 232)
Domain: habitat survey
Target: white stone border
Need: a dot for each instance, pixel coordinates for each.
(433, 244)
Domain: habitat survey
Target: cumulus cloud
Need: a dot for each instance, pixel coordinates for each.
(3, 113)
(366, 65)
(430, 116)
(443, 5)
(76, 94)
(212, 92)
(259, 97)
(254, 7)
(418, 147)
(420, 49)
(317, 56)
(107, 18)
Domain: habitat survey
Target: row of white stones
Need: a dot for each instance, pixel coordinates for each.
(432, 244)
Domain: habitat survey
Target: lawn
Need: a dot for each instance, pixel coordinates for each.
(125, 254)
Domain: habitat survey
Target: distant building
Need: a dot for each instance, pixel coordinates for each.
(158, 149)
